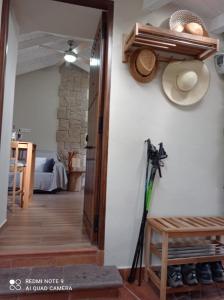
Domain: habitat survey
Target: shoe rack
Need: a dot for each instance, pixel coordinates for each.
(184, 240)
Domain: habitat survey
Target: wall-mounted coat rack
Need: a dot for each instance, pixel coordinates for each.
(169, 42)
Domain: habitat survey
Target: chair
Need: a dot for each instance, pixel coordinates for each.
(16, 167)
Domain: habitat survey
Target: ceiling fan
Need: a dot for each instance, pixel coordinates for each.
(71, 55)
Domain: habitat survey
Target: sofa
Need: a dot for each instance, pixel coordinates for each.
(49, 175)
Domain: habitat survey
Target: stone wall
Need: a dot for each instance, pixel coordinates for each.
(72, 112)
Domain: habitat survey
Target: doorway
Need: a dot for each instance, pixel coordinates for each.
(95, 191)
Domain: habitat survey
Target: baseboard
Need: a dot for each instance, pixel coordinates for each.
(3, 224)
(126, 271)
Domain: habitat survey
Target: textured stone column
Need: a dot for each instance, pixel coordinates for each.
(72, 112)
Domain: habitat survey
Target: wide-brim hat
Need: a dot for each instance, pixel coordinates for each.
(143, 64)
(186, 82)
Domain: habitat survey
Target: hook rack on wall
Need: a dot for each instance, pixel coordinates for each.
(170, 42)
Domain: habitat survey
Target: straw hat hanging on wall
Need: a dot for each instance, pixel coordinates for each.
(186, 82)
(143, 65)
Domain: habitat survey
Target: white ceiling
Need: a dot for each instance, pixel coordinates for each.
(33, 56)
(212, 11)
(204, 8)
(51, 23)
(56, 17)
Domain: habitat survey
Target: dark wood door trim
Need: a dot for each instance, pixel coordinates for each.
(94, 152)
(108, 7)
(3, 45)
(106, 114)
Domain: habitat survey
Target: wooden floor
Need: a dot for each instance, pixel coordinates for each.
(148, 292)
(54, 222)
(51, 222)
(128, 292)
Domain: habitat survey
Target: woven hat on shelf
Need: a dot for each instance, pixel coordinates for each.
(186, 82)
(187, 21)
(143, 64)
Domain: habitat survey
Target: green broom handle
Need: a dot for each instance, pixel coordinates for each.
(149, 195)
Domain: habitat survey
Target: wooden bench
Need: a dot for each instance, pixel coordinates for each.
(204, 245)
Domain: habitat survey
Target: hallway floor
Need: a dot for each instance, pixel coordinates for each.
(148, 292)
(51, 222)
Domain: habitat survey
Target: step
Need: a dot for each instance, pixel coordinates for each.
(50, 258)
(71, 281)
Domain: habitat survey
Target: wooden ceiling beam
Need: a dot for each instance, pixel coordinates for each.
(37, 38)
(99, 4)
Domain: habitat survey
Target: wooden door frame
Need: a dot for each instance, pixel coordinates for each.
(3, 49)
(108, 7)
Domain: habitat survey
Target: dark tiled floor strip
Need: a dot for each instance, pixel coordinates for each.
(87, 276)
(75, 277)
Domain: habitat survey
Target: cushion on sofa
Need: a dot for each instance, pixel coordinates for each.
(49, 165)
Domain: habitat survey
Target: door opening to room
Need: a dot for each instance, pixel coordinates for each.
(57, 176)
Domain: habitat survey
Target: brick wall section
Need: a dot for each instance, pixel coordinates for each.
(72, 112)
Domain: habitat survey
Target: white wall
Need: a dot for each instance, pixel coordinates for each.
(7, 115)
(193, 176)
(1, 9)
(36, 104)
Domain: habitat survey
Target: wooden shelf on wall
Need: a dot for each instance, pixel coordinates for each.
(165, 40)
